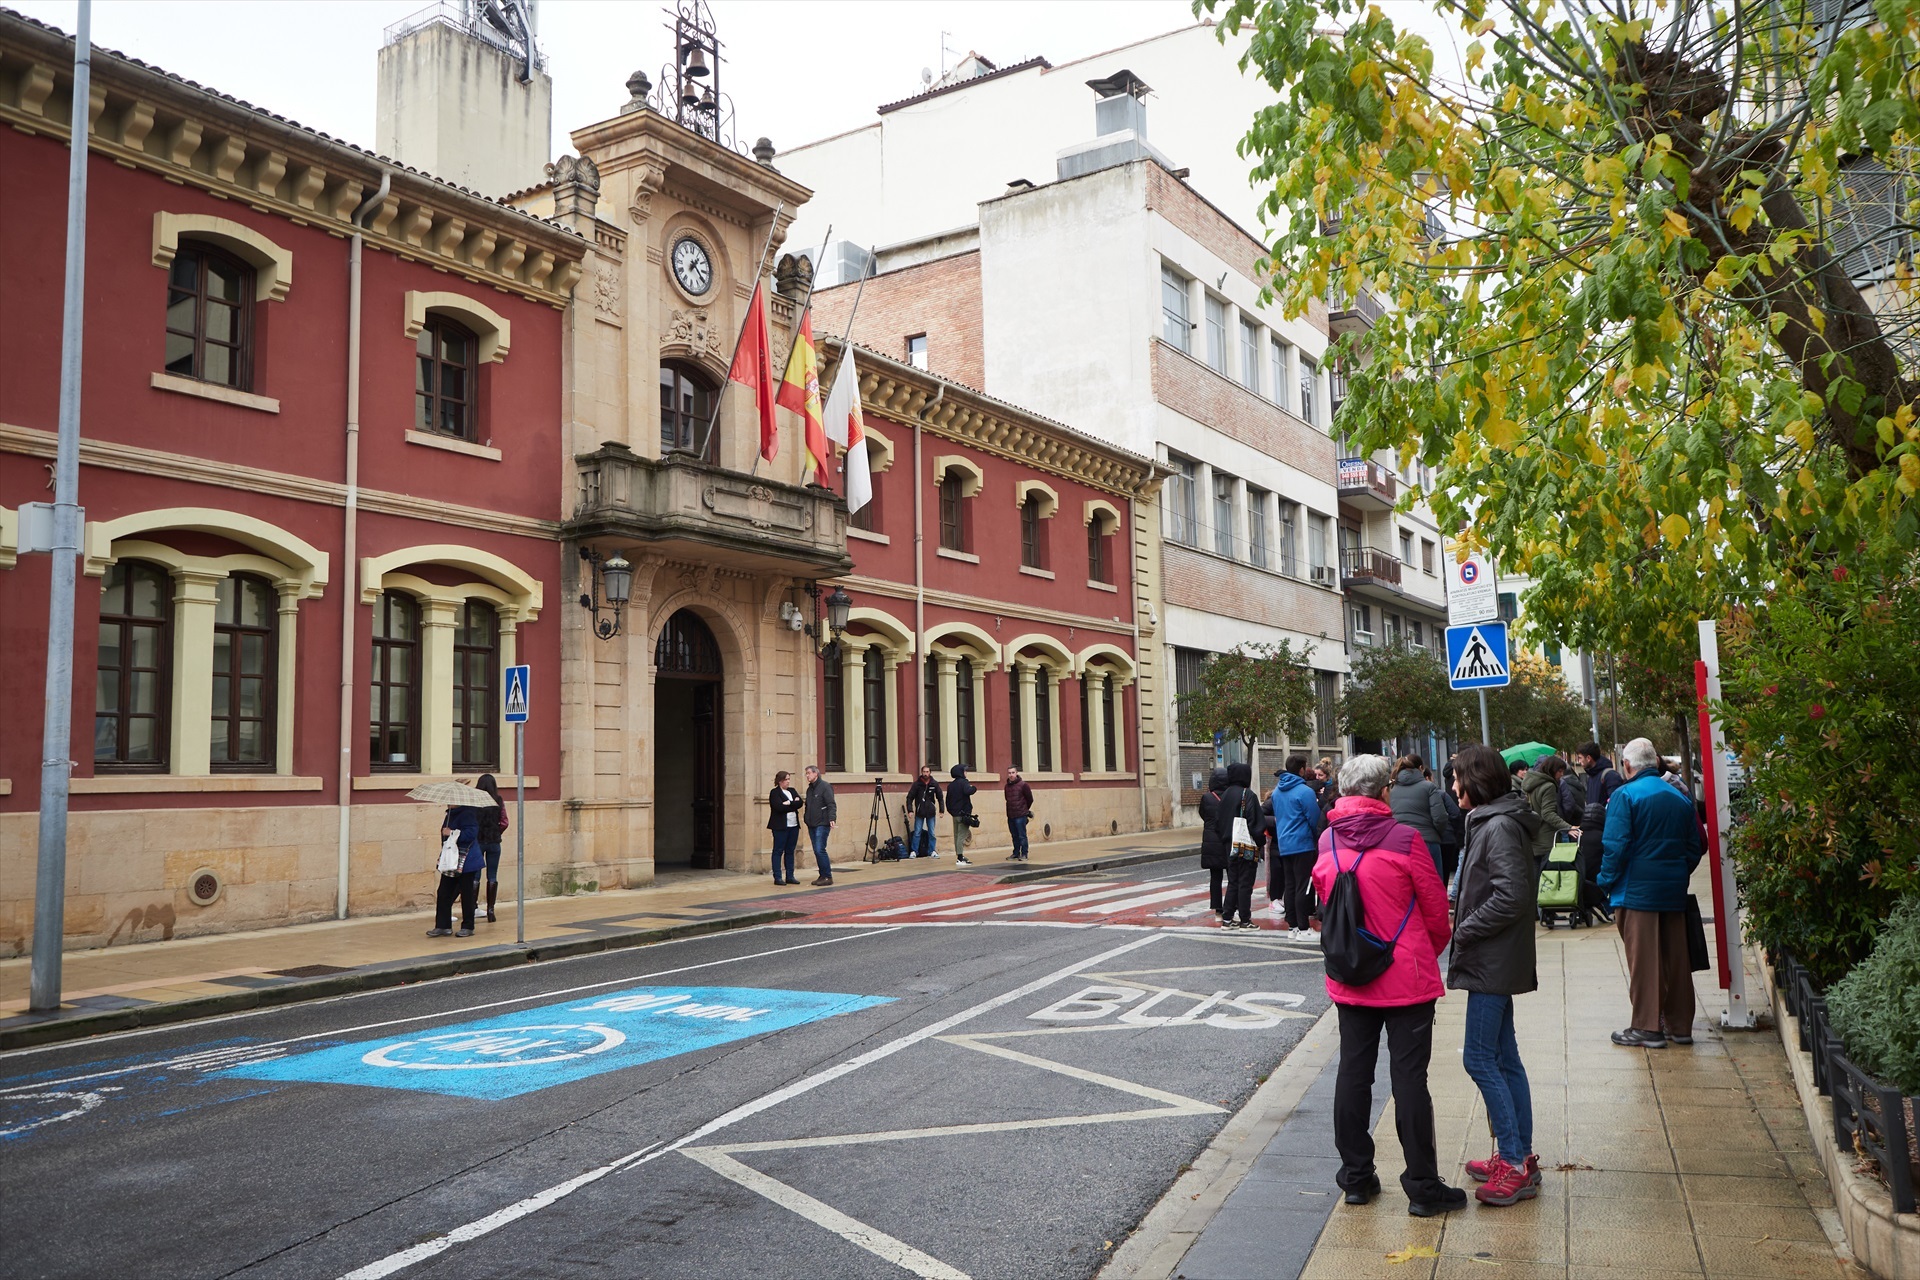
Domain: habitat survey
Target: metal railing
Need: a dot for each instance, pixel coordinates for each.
(1367, 563)
(461, 15)
(1365, 476)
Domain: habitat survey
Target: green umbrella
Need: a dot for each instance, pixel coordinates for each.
(1531, 752)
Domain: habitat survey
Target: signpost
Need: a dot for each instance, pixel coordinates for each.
(518, 701)
(1477, 659)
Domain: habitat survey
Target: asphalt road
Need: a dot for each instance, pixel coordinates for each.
(987, 1095)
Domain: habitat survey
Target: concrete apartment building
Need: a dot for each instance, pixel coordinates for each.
(1077, 269)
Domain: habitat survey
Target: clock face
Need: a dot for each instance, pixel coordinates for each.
(691, 267)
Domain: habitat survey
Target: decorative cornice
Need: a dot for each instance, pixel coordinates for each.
(145, 119)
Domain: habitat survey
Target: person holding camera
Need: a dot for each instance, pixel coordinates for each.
(960, 793)
(924, 805)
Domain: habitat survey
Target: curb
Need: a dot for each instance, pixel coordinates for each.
(1097, 864)
(57, 1029)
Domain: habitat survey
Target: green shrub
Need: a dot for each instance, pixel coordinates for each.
(1875, 1009)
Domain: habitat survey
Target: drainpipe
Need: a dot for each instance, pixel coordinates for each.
(1133, 590)
(349, 547)
(919, 574)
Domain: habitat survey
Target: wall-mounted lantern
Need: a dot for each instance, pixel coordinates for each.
(612, 577)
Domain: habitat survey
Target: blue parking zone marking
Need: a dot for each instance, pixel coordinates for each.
(538, 1048)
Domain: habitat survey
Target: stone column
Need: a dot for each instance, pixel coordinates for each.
(196, 594)
(1029, 721)
(284, 682)
(891, 691)
(1053, 725)
(1092, 683)
(1119, 726)
(853, 700)
(949, 704)
(436, 686)
(980, 669)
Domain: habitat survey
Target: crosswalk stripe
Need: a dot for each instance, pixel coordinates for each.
(1143, 900)
(1029, 895)
(1085, 895)
(1015, 892)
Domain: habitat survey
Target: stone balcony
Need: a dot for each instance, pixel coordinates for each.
(741, 521)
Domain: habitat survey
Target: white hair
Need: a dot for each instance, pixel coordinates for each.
(1641, 755)
(1365, 776)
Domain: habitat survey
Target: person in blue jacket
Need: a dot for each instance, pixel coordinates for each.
(1652, 843)
(1297, 822)
(463, 820)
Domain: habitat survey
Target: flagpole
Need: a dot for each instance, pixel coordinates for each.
(800, 314)
(846, 354)
(746, 316)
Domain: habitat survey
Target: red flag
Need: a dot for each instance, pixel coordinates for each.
(800, 392)
(753, 367)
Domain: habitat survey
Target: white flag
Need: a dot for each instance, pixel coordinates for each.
(842, 421)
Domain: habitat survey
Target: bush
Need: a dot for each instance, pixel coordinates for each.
(1823, 705)
(1875, 1009)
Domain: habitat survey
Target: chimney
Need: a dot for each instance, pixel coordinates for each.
(1119, 125)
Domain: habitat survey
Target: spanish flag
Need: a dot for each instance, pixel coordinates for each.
(800, 392)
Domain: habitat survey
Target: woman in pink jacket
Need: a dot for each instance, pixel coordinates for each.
(1402, 899)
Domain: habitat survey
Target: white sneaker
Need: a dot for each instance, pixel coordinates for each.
(1303, 935)
(961, 862)
(1276, 909)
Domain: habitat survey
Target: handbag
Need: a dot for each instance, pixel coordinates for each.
(1699, 958)
(973, 820)
(450, 855)
(1244, 845)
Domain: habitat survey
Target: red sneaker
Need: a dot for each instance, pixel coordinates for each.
(1481, 1170)
(1533, 1170)
(1507, 1185)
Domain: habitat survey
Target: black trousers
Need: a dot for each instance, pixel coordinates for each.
(1409, 1031)
(1241, 873)
(465, 886)
(1449, 863)
(1587, 863)
(1297, 872)
(1216, 878)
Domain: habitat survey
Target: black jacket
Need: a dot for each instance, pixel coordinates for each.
(1455, 818)
(782, 801)
(1417, 803)
(820, 810)
(924, 799)
(1239, 802)
(1213, 850)
(1493, 949)
(960, 793)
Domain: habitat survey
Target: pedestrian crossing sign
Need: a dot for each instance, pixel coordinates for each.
(519, 696)
(1477, 656)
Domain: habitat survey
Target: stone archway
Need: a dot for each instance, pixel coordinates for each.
(689, 758)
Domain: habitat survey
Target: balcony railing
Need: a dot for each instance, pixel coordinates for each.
(1365, 566)
(1355, 313)
(1365, 483)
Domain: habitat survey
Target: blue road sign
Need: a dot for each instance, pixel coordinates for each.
(516, 1053)
(519, 696)
(1477, 656)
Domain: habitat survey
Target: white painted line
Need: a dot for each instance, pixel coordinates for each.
(858, 1233)
(1105, 891)
(1026, 896)
(1182, 913)
(193, 1056)
(1130, 904)
(492, 1222)
(1015, 891)
(806, 1084)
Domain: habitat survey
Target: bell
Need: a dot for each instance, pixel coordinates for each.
(689, 94)
(697, 61)
(707, 103)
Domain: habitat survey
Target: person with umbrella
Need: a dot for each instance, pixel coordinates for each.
(462, 821)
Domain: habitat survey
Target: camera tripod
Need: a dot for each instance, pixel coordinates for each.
(873, 823)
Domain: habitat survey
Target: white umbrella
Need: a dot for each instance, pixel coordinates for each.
(451, 793)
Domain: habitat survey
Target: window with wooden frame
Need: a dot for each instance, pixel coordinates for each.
(1086, 725)
(133, 669)
(686, 407)
(873, 688)
(393, 686)
(210, 316)
(1033, 534)
(1017, 758)
(1043, 719)
(476, 687)
(867, 518)
(1108, 702)
(245, 660)
(446, 380)
(833, 709)
(953, 511)
(1097, 567)
(963, 713)
(930, 702)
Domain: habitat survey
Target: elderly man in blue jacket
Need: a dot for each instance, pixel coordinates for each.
(1653, 842)
(1297, 821)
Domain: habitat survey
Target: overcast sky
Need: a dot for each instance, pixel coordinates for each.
(798, 70)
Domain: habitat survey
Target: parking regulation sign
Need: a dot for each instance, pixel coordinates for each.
(1477, 656)
(1473, 590)
(519, 696)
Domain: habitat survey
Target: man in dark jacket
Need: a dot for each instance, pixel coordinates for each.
(960, 793)
(1493, 961)
(1602, 781)
(1019, 811)
(1213, 850)
(924, 804)
(1297, 823)
(1653, 843)
(820, 814)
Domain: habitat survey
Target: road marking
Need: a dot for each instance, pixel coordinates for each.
(87, 1100)
(407, 1257)
(1014, 892)
(1105, 891)
(855, 1232)
(1130, 904)
(1029, 899)
(492, 1222)
(189, 1059)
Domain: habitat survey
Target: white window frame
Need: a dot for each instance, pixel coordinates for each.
(1216, 309)
(1176, 326)
(1249, 355)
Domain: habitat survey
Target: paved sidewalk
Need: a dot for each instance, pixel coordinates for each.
(1678, 1162)
(139, 976)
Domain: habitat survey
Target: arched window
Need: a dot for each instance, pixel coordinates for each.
(1109, 705)
(1015, 754)
(686, 647)
(1033, 534)
(134, 668)
(209, 316)
(393, 719)
(686, 406)
(963, 713)
(833, 709)
(930, 693)
(1043, 719)
(953, 512)
(476, 669)
(873, 676)
(445, 379)
(245, 654)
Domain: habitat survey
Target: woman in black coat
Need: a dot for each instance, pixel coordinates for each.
(1240, 800)
(783, 819)
(1213, 850)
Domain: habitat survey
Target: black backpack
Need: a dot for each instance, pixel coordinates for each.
(1353, 955)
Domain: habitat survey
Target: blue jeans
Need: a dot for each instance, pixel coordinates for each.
(925, 825)
(1491, 1057)
(1019, 828)
(819, 835)
(784, 841)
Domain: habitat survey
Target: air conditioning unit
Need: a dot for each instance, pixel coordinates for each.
(1321, 574)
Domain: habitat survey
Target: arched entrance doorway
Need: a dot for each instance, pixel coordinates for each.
(687, 773)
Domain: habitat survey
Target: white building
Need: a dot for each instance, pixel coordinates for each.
(1030, 236)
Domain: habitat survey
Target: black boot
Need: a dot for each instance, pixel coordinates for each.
(493, 894)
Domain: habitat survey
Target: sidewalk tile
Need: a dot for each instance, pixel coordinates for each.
(1666, 1250)
(1709, 1189)
(1364, 1264)
(1756, 1222)
(1458, 1268)
(1778, 1259)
